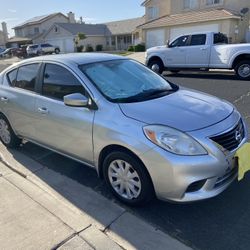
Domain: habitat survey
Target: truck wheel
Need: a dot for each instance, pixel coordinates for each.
(157, 66)
(57, 51)
(242, 70)
(127, 178)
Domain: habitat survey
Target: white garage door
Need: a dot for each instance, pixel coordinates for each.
(66, 45)
(176, 32)
(155, 38)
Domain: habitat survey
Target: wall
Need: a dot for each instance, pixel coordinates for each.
(2, 40)
(29, 30)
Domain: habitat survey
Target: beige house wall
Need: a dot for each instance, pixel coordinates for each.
(29, 30)
(93, 41)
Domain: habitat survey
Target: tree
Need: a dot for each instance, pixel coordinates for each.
(79, 37)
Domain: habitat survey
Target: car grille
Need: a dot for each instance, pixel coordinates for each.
(232, 139)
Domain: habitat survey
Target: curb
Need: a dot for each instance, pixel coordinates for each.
(90, 214)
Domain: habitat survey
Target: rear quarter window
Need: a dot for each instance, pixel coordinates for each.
(11, 76)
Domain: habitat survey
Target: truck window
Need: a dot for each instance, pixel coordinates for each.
(179, 42)
(198, 40)
(220, 38)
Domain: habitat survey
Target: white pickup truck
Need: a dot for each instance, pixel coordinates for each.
(200, 51)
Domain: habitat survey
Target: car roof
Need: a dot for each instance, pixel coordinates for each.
(75, 58)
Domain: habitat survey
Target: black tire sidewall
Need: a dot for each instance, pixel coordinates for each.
(146, 185)
(14, 140)
(159, 63)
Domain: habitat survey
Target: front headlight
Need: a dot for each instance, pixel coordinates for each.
(173, 140)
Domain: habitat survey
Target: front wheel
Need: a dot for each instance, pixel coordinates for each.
(242, 70)
(127, 178)
(7, 135)
(157, 66)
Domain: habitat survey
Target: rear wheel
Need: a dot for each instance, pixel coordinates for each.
(157, 66)
(127, 178)
(57, 51)
(7, 135)
(242, 70)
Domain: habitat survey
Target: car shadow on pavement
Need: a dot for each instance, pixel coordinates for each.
(219, 223)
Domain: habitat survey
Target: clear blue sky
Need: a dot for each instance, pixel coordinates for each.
(93, 11)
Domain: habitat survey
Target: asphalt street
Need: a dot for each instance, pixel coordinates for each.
(219, 223)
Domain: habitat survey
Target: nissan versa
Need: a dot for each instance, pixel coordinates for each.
(144, 135)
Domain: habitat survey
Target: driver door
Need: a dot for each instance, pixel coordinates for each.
(176, 53)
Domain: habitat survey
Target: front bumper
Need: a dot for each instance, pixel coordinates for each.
(192, 178)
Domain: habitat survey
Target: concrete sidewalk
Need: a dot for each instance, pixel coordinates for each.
(42, 209)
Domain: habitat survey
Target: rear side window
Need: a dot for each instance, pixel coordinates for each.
(12, 77)
(59, 82)
(26, 77)
(198, 40)
(33, 46)
(45, 45)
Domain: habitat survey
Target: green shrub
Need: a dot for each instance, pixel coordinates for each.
(139, 48)
(89, 48)
(79, 48)
(98, 47)
(131, 48)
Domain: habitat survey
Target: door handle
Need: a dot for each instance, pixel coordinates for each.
(43, 111)
(4, 99)
(203, 49)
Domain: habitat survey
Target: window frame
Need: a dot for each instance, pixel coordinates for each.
(153, 12)
(186, 44)
(189, 7)
(213, 3)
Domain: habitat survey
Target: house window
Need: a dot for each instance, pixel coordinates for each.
(191, 4)
(56, 29)
(213, 2)
(153, 12)
(36, 30)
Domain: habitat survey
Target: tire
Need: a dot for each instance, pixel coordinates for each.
(157, 66)
(7, 135)
(242, 70)
(139, 180)
(57, 51)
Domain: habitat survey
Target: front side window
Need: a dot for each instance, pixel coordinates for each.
(191, 4)
(26, 77)
(179, 42)
(126, 81)
(59, 82)
(198, 40)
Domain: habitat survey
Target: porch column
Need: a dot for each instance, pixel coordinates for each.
(116, 42)
(133, 39)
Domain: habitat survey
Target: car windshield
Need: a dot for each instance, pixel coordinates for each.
(126, 81)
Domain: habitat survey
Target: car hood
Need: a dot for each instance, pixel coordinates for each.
(186, 110)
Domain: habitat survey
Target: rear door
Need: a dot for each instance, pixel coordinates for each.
(60, 127)
(18, 96)
(198, 51)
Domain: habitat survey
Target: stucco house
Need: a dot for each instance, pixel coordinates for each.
(168, 19)
(36, 27)
(117, 35)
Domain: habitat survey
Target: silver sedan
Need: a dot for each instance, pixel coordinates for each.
(144, 135)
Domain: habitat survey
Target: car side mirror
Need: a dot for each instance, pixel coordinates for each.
(168, 43)
(76, 100)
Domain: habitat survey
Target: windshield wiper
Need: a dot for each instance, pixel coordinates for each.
(145, 95)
